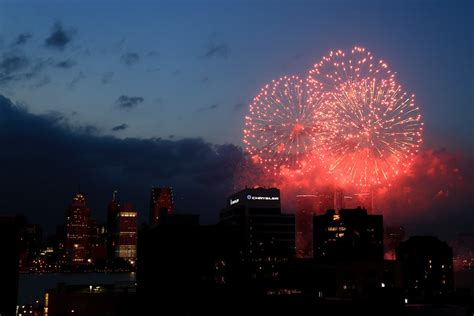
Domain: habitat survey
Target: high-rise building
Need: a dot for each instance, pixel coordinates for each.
(348, 234)
(306, 208)
(427, 267)
(161, 203)
(121, 230)
(112, 211)
(264, 229)
(325, 201)
(97, 242)
(77, 229)
(126, 233)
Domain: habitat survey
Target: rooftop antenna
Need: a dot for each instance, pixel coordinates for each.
(114, 195)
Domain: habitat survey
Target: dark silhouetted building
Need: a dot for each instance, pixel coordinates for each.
(31, 237)
(91, 299)
(393, 236)
(161, 203)
(9, 243)
(348, 234)
(265, 231)
(112, 210)
(306, 208)
(184, 267)
(427, 267)
(97, 251)
(77, 231)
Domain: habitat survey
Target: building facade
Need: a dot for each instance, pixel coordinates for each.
(264, 229)
(427, 267)
(77, 229)
(348, 234)
(161, 203)
(121, 231)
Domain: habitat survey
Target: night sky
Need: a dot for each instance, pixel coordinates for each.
(126, 95)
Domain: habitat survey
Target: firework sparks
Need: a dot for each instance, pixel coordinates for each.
(375, 127)
(280, 130)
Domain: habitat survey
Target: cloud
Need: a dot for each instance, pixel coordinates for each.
(59, 37)
(130, 59)
(107, 77)
(53, 157)
(120, 127)
(16, 68)
(11, 63)
(80, 75)
(66, 64)
(44, 80)
(217, 50)
(127, 102)
(21, 39)
(208, 108)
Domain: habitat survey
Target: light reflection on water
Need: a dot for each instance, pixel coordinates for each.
(31, 287)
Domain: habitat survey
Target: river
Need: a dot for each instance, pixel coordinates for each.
(31, 287)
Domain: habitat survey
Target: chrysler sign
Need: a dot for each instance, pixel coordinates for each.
(262, 198)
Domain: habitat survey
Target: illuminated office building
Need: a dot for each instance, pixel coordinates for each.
(264, 229)
(126, 235)
(77, 229)
(122, 230)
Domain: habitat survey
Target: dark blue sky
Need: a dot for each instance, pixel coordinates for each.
(127, 95)
(192, 66)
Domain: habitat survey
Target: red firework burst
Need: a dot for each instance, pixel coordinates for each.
(280, 131)
(375, 128)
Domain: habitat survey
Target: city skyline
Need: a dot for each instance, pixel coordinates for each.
(108, 109)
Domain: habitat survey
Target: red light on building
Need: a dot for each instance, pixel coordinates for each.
(121, 230)
(161, 203)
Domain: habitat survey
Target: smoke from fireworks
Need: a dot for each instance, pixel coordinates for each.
(350, 116)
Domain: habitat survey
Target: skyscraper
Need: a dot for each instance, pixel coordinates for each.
(112, 211)
(121, 230)
(77, 223)
(306, 208)
(161, 203)
(126, 233)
